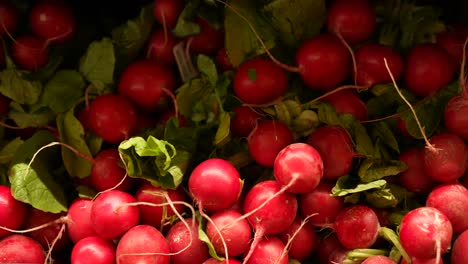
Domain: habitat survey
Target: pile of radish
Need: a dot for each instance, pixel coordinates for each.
(216, 131)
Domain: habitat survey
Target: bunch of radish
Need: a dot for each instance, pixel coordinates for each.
(173, 132)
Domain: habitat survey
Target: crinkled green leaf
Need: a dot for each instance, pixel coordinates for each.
(374, 169)
(327, 114)
(98, 63)
(8, 151)
(346, 185)
(181, 137)
(207, 66)
(223, 132)
(21, 90)
(204, 237)
(185, 25)
(381, 198)
(381, 130)
(197, 100)
(176, 171)
(25, 118)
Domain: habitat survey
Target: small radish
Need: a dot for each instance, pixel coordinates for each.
(414, 178)
(245, 119)
(355, 20)
(459, 254)
(21, 249)
(222, 60)
(143, 244)
(267, 140)
(208, 41)
(423, 261)
(224, 185)
(348, 101)
(302, 238)
(9, 17)
(93, 249)
(327, 246)
(110, 216)
(298, 166)
(12, 212)
(425, 233)
(107, 173)
(259, 81)
(452, 42)
(30, 52)
(378, 260)
(79, 223)
(456, 116)
(268, 251)
(160, 46)
(167, 12)
(215, 261)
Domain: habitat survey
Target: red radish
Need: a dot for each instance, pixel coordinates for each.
(185, 245)
(452, 200)
(267, 140)
(21, 249)
(338, 255)
(83, 117)
(107, 173)
(452, 42)
(402, 127)
(53, 20)
(145, 82)
(12, 212)
(456, 116)
(112, 117)
(30, 52)
(298, 166)
(9, 17)
(224, 185)
(168, 114)
(215, 261)
(222, 60)
(158, 216)
(302, 238)
(423, 261)
(357, 226)
(160, 46)
(336, 149)
(347, 101)
(425, 233)
(268, 251)
(237, 236)
(245, 119)
(324, 62)
(167, 12)
(259, 81)
(111, 217)
(327, 246)
(355, 20)
(79, 220)
(208, 41)
(378, 260)
(447, 162)
(459, 254)
(320, 206)
(93, 249)
(143, 239)
(414, 178)
(370, 64)
(428, 69)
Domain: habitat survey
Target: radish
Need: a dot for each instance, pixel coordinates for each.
(425, 233)
(259, 81)
(452, 200)
(452, 42)
(208, 41)
(143, 244)
(298, 166)
(12, 212)
(79, 220)
(327, 246)
(423, 261)
(110, 216)
(378, 260)
(301, 240)
(93, 249)
(215, 184)
(222, 60)
(459, 254)
(9, 17)
(267, 140)
(160, 46)
(185, 245)
(107, 173)
(21, 249)
(30, 52)
(414, 178)
(357, 226)
(237, 236)
(53, 20)
(268, 251)
(145, 82)
(112, 117)
(245, 119)
(167, 12)
(336, 149)
(215, 261)
(455, 116)
(347, 101)
(355, 20)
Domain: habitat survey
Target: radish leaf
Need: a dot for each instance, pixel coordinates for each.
(346, 185)
(97, 64)
(21, 90)
(23, 117)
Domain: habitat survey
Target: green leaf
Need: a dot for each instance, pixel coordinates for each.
(181, 137)
(327, 114)
(86, 192)
(14, 86)
(204, 237)
(185, 26)
(296, 20)
(72, 133)
(362, 141)
(346, 185)
(191, 94)
(98, 63)
(94, 143)
(46, 72)
(24, 118)
(62, 91)
(207, 66)
(381, 130)
(223, 132)
(8, 151)
(374, 169)
(382, 198)
(35, 185)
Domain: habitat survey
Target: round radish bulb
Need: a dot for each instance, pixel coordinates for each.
(245, 119)
(9, 17)
(223, 61)
(179, 237)
(237, 236)
(320, 206)
(452, 200)
(269, 251)
(259, 81)
(425, 232)
(459, 253)
(267, 140)
(452, 42)
(93, 249)
(112, 117)
(305, 240)
(324, 62)
(160, 47)
(423, 261)
(106, 173)
(215, 184)
(143, 239)
(428, 69)
(348, 101)
(208, 41)
(447, 162)
(357, 226)
(158, 216)
(215, 261)
(336, 149)
(327, 246)
(145, 82)
(355, 20)
(370, 64)
(21, 249)
(111, 217)
(414, 178)
(12, 212)
(378, 260)
(167, 12)
(30, 52)
(456, 116)
(53, 20)
(299, 166)
(79, 220)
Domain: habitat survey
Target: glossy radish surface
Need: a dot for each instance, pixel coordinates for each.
(456, 116)
(9, 17)
(208, 41)
(414, 178)
(93, 249)
(185, 244)
(46, 236)
(166, 12)
(79, 223)
(107, 172)
(160, 46)
(12, 212)
(348, 101)
(305, 240)
(30, 52)
(269, 251)
(245, 119)
(21, 249)
(459, 252)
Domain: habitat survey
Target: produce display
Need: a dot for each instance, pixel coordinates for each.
(233, 131)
